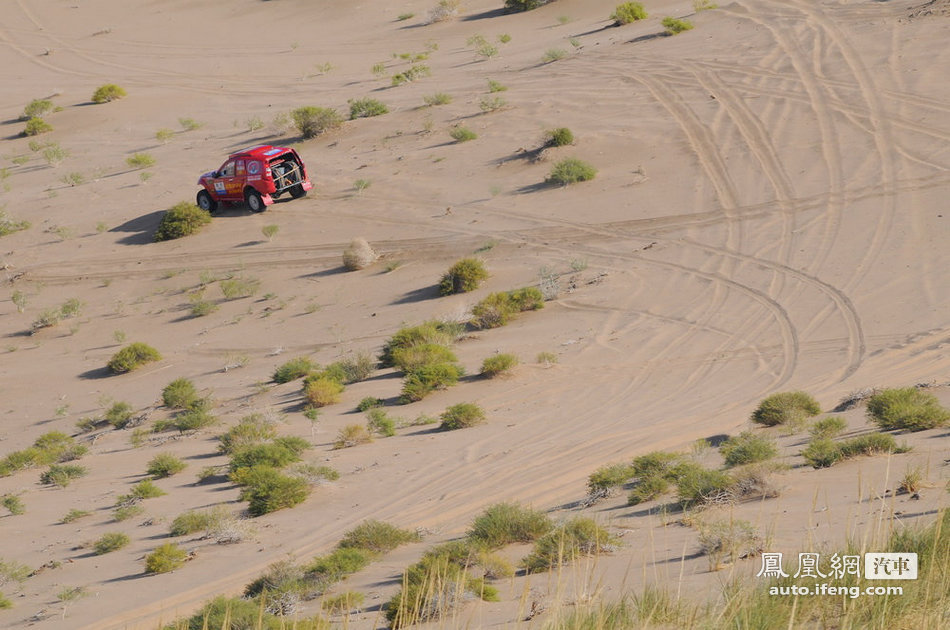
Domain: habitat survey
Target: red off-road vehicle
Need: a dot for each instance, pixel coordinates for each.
(256, 176)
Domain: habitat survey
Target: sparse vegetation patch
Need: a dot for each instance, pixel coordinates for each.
(182, 219)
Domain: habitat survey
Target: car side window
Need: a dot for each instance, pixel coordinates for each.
(228, 170)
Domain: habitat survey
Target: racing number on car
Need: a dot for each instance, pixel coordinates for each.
(219, 187)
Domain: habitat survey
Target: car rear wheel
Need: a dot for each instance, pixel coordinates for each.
(254, 201)
(206, 202)
(297, 191)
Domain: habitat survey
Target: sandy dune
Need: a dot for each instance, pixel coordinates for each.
(769, 214)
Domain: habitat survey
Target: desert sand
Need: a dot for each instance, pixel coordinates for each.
(769, 213)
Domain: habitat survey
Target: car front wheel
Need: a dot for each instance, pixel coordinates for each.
(254, 201)
(206, 202)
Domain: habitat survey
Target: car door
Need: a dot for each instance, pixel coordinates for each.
(225, 185)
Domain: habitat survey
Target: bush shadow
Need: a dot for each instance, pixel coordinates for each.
(418, 295)
(140, 229)
(96, 373)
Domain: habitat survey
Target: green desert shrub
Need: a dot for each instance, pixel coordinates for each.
(462, 134)
(830, 427)
(505, 523)
(428, 378)
(412, 358)
(410, 74)
(275, 455)
(553, 54)
(747, 448)
(871, 444)
(251, 430)
(197, 417)
(240, 287)
(182, 219)
(357, 367)
(35, 126)
(906, 408)
(628, 12)
(62, 474)
(9, 225)
(571, 171)
(343, 602)
(647, 489)
(322, 391)
(108, 92)
(439, 98)
(608, 477)
(464, 276)
(266, 489)
(352, 435)
(560, 137)
(126, 512)
(164, 465)
(822, 452)
(294, 369)
(787, 408)
(498, 364)
(36, 107)
(312, 121)
(166, 558)
(497, 309)
(13, 504)
(338, 564)
(110, 542)
(370, 402)
(675, 26)
(366, 108)
(194, 521)
(140, 161)
(380, 423)
(180, 394)
(698, 485)
(119, 414)
(430, 332)
(461, 416)
(50, 448)
(579, 536)
(144, 489)
(74, 515)
(5, 603)
(377, 537)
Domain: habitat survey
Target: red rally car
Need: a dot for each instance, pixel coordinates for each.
(256, 176)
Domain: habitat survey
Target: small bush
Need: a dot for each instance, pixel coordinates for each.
(52, 316)
(250, 431)
(506, 523)
(182, 219)
(498, 364)
(132, 357)
(357, 367)
(439, 98)
(144, 489)
(560, 137)
(747, 448)
(674, 26)
(462, 134)
(13, 504)
(443, 10)
(35, 126)
(697, 485)
(352, 435)
(830, 427)
(274, 455)
(344, 602)
(411, 74)
(488, 105)
(377, 537)
(312, 121)
(190, 124)
(294, 369)
(495, 86)
(434, 332)
(527, 299)
(322, 391)
(553, 54)
(497, 309)
(166, 558)
(366, 108)
(194, 521)
(9, 225)
(787, 408)
(36, 107)
(704, 5)
(108, 92)
(822, 452)
(727, 541)
(180, 394)
(359, 255)
(62, 474)
(126, 512)
(461, 416)
(911, 482)
(524, 5)
(240, 287)
(140, 161)
(647, 489)
(266, 489)
(579, 536)
(119, 414)
(415, 357)
(164, 465)
(74, 515)
(380, 423)
(871, 444)
(606, 478)
(336, 565)
(628, 12)
(198, 417)
(428, 378)
(112, 541)
(370, 402)
(571, 171)
(907, 408)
